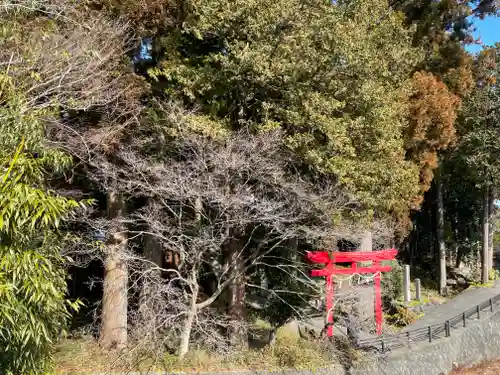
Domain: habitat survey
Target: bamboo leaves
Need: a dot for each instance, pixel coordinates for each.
(33, 308)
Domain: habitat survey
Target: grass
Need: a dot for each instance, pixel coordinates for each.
(83, 355)
(80, 356)
(428, 295)
(402, 315)
(489, 284)
(290, 351)
(493, 277)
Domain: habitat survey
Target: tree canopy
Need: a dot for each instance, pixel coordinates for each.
(334, 78)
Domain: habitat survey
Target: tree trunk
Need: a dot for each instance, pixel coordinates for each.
(153, 251)
(440, 234)
(150, 295)
(456, 245)
(491, 229)
(293, 245)
(458, 259)
(273, 336)
(486, 223)
(238, 336)
(113, 333)
(188, 324)
(193, 308)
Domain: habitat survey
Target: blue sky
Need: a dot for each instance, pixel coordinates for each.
(488, 30)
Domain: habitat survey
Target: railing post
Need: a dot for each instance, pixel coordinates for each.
(373, 343)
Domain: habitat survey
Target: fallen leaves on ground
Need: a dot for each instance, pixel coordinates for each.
(488, 368)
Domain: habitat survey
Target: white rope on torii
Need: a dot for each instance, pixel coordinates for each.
(361, 276)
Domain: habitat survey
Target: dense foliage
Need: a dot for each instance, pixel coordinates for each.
(334, 78)
(34, 310)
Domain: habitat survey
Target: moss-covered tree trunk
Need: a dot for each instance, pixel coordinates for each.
(113, 333)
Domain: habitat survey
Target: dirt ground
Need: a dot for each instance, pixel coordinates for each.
(489, 368)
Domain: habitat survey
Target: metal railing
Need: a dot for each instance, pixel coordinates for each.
(431, 332)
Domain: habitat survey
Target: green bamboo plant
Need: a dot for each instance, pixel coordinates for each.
(34, 309)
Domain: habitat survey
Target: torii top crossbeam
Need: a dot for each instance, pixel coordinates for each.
(330, 259)
(352, 256)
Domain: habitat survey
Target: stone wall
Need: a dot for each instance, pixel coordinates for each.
(479, 341)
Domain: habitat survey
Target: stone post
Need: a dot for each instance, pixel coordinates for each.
(366, 304)
(406, 283)
(366, 245)
(366, 241)
(417, 290)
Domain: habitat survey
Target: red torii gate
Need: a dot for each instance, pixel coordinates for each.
(329, 259)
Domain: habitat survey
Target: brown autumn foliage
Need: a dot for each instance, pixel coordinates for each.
(461, 79)
(433, 110)
(485, 66)
(454, 67)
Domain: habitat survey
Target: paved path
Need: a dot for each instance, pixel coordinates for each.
(462, 302)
